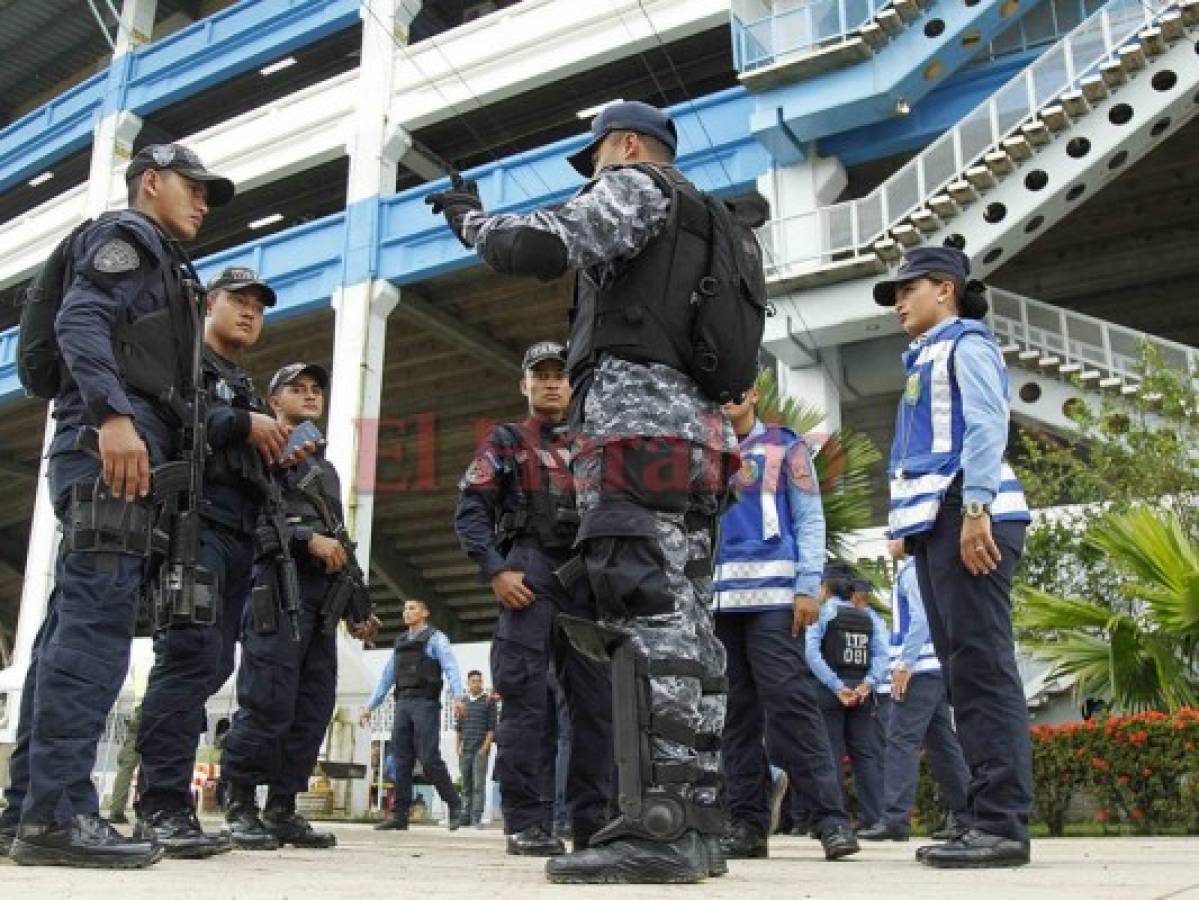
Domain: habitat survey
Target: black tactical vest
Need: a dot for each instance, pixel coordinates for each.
(643, 312)
(417, 674)
(301, 510)
(541, 504)
(846, 644)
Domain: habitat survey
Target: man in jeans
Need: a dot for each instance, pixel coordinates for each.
(476, 731)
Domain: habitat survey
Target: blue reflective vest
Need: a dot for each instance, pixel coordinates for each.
(926, 454)
(902, 601)
(757, 562)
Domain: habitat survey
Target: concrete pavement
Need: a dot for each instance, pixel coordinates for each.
(430, 862)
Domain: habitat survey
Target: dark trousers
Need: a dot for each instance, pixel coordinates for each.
(772, 694)
(191, 662)
(544, 680)
(79, 664)
(18, 763)
(286, 692)
(473, 766)
(971, 624)
(857, 731)
(416, 734)
(922, 718)
(527, 735)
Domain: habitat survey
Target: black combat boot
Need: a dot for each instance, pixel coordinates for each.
(289, 827)
(86, 842)
(634, 860)
(179, 832)
(743, 841)
(8, 834)
(246, 829)
(534, 841)
(838, 842)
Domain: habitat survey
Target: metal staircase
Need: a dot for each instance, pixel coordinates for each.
(1057, 357)
(1114, 87)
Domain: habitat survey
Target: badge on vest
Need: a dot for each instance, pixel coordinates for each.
(911, 390)
(223, 391)
(750, 471)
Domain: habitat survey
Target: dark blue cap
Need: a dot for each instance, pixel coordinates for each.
(924, 261)
(838, 570)
(629, 115)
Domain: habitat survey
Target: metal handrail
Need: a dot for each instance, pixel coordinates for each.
(823, 235)
(762, 41)
(1077, 339)
(1043, 25)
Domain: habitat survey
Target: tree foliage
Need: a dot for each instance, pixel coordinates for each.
(842, 458)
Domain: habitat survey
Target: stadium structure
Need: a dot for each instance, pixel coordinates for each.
(1056, 137)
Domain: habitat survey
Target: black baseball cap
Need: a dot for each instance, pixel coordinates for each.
(920, 262)
(180, 159)
(292, 371)
(238, 278)
(541, 351)
(628, 115)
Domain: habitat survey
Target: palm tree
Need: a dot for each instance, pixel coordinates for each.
(842, 458)
(1137, 660)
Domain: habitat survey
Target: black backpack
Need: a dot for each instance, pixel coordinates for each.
(39, 363)
(730, 307)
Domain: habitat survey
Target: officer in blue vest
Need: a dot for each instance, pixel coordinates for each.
(128, 270)
(847, 652)
(962, 512)
(766, 582)
(917, 713)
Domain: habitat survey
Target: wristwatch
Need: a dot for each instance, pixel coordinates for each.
(976, 509)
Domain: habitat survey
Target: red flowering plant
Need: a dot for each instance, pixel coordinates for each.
(1141, 769)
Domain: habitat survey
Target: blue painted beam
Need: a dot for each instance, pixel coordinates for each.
(788, 118)
(225, 44)
(715, 151)
(397, 238)
(40, 138)
(935, 114)
(232, 41)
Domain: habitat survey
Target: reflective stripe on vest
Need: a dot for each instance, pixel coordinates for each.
(929, 433)
(756, 562)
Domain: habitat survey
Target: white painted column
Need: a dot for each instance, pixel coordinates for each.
(361, 310)
(816, 386)
(112, 140)
(804, 373)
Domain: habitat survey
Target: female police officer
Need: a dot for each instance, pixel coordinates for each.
(963, 515)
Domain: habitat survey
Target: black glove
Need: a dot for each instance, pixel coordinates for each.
(461, 198)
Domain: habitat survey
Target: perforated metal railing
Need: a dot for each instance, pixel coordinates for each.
(1073, 339)
(763, 41)
(819, 237)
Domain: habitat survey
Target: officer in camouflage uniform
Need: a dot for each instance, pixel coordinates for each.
(648, 477)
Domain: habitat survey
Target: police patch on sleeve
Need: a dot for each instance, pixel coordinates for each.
(799, 469)
(115, 256)
(481, 472)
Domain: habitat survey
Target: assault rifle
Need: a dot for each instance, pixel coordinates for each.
(347, 595)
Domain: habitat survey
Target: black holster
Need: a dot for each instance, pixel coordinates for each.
(98, 522)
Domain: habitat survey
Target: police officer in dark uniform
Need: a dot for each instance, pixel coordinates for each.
(286, 688)
(414, 671)
(516, 518)
(192, 656)
(126, 337)
(847, 651)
